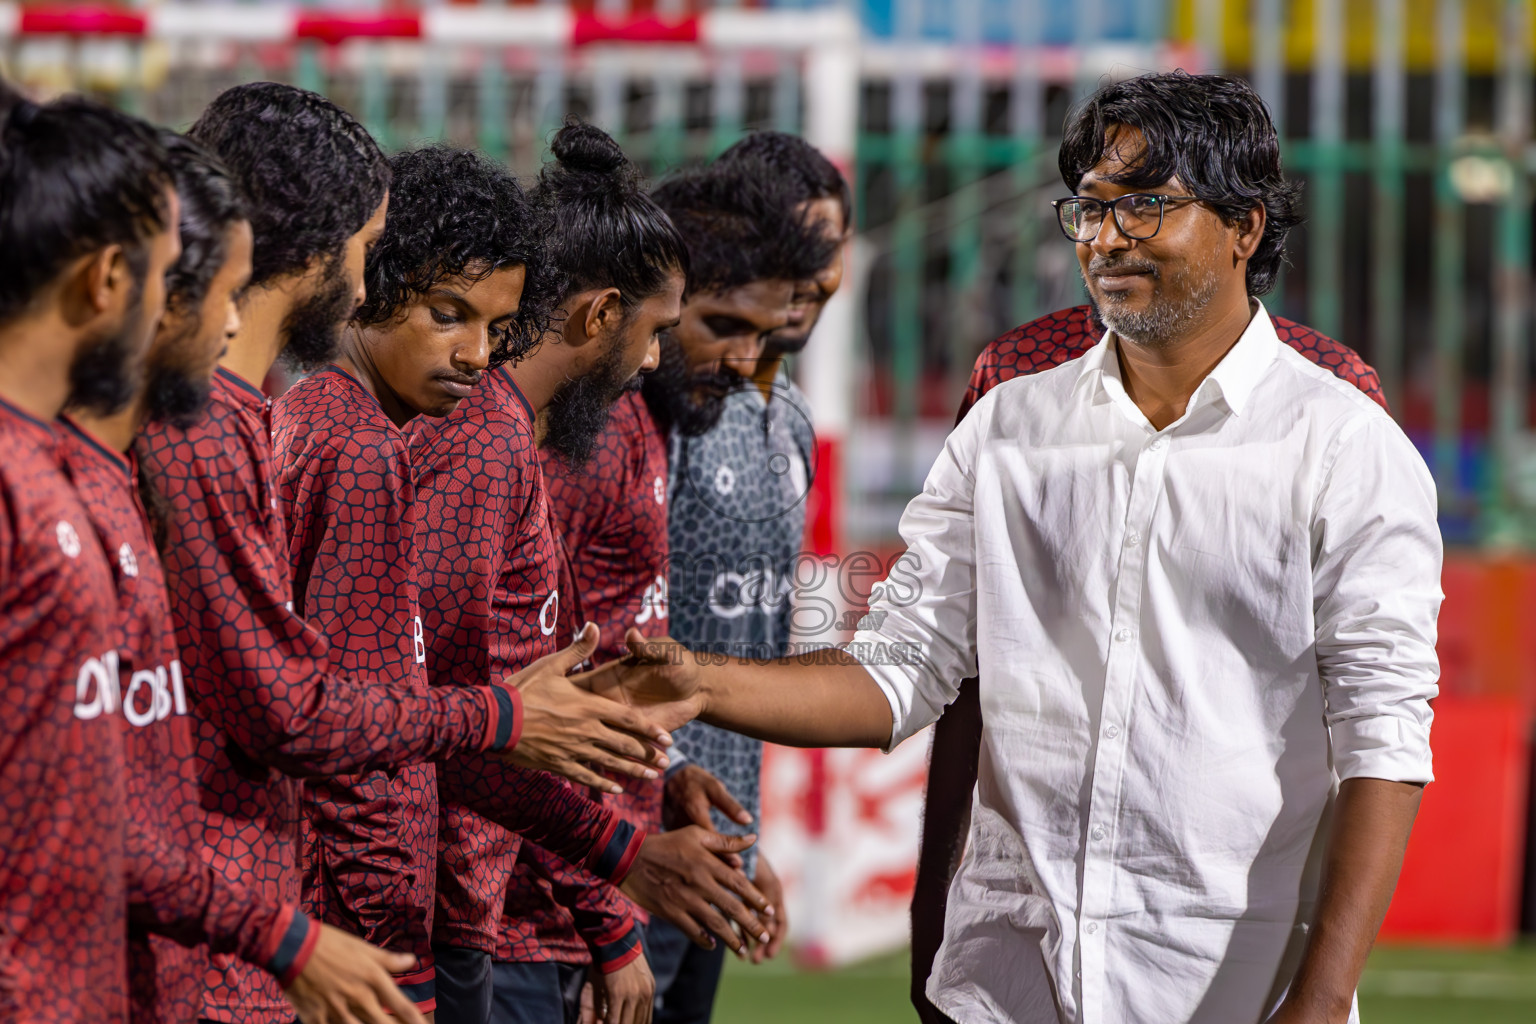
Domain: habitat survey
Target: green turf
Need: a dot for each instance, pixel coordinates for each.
(1402, 986)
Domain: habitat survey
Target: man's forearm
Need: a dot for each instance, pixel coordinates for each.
(822, 698)
(1371, 823)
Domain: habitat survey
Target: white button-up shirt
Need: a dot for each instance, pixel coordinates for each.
(1185, 639)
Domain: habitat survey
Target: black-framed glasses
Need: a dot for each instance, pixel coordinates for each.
(1138, 215)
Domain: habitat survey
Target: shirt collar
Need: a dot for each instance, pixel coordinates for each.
(1235, 377)
(244, 391)
(505, 373)
(111, 456)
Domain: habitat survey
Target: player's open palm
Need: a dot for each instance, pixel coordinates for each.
(573, 732)
(687, 876)
(347, 981)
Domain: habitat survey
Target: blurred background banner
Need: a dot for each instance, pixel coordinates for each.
(1410, 122)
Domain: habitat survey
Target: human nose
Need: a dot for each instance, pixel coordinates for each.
(652, 355)
(1110, 238)
(475, 353)
(745, 350)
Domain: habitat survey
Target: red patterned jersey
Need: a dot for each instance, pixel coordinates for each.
(264, 695)
(62, 867)
(490, 603)
(344, 488)
(612, 517)
(177, 904)
(1053, 339)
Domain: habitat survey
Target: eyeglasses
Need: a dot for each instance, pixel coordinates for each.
(1138, 215)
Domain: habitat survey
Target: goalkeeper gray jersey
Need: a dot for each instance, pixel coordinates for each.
(735, 524)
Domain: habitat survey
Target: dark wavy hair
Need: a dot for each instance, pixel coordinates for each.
(456, 213)
(810, 174)
(311, 174)
(740, 224)
(1213, 132)
(75, 177)
(210, 204)
(605, 231)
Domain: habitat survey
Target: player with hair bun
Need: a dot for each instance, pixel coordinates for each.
(622, 268)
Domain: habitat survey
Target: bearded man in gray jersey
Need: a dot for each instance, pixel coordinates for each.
(741, 453)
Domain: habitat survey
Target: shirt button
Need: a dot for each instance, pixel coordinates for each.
(1092, 927)
(1098, 833)
(1159, 444)
(1124, 636)
(1112, 731)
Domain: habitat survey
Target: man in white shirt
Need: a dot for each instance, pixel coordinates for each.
(1198, 578)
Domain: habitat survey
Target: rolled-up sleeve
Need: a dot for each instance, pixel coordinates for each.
(1376, 584)
(919, 639)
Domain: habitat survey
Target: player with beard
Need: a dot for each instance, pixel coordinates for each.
(622, 269)
(490, 564)
(180, 903)
(87, 230)
(752, 242)
(268, 704)
(446, 301)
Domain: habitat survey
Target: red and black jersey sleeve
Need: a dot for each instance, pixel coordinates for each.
(490, 604)
(558, 913)
(346, 492)
(174, 894)
(62, 872)
(1053, 339)
(178, 907)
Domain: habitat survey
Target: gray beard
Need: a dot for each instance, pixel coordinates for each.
(1164, 321)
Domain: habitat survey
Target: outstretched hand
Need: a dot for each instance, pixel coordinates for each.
(347, 981)
(692, 877)
(571, 731)
(658, 677)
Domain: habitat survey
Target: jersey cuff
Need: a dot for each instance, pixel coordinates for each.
(616, 948)
(505, 725)
(615, 851)
(420, 987)
(293, 939)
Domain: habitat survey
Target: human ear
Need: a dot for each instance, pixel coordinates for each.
(97, 284)
(1248, 232)
(604, 311)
